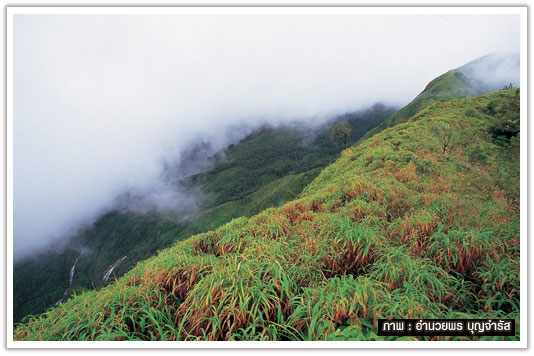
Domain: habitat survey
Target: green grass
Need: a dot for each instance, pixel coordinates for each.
(264, 170)
(272, 194)
(419, 221)
(39, 283)
(456, 83)
(273, 153)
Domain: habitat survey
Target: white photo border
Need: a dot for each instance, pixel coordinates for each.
(518, 10)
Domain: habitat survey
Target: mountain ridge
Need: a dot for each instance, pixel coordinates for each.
(397, 227)
(465, 81)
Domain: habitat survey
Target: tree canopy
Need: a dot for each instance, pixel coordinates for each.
(339, 134)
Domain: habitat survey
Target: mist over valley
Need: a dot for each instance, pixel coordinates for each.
(134, 132)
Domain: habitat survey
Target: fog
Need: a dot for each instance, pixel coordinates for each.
(493, 72)
(105, 106)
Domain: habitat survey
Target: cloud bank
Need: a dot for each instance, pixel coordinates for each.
(102, 102)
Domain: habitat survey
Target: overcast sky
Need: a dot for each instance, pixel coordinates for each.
(101, 100)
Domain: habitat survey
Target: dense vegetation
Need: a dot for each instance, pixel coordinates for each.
(457, 83)
(421, 220)
(266, 169)
(273, 153)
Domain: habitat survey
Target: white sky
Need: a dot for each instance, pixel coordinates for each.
(100, 100)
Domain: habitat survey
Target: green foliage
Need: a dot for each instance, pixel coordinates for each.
(394, 228)
(450, 85)
(339, 134)
(490, 109)
(264, 170)
(273, 153)
(39, 282)
(477, 155)
(455, 84)
(506, 124)
(448, 136)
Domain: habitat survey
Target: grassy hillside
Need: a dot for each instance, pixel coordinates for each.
(419, 221)
(457, 83)
(264, 170)
(271, 195)
(273, 153)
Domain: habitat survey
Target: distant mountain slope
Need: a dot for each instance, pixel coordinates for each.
(481, 76)
(264, 170)
(419, 221)
(272, 153)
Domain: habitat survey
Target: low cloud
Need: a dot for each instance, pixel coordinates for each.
(494, 71)
(105, 104)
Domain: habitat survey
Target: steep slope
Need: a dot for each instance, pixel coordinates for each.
(266, 169)
(273, 153)
(481, 76)
(419, 221)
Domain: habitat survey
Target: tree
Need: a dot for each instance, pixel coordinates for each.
(508, 86)
(339, 134)
(448, 136)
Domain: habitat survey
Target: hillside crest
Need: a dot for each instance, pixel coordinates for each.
(421, 220)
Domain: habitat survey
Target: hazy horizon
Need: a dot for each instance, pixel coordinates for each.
(102, 102)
